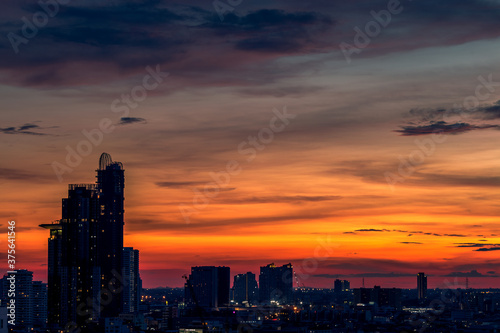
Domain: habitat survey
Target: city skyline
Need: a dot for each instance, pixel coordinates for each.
(269, 132)
(324, 247)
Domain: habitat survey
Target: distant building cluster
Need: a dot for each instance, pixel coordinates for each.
(209, 286)
(339, 309)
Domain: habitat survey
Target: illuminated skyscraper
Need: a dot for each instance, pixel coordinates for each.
(85, 251)
(73, 263)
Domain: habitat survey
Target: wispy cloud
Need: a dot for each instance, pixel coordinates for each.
(27, 129)
(179, 184)
(472, 273)
(488, 249)
(410, 233)
(284, 199)
(364, 275)
(131, 120)
(475, 244)
(371, 230)
(437, 120)
(442, 127)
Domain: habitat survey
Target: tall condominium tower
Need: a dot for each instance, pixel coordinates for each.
(110, 185)
(85, 252)
(73, 263)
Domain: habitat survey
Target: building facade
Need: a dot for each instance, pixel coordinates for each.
(132, 280)
(421, 285)
(208, 286)
(276, 284)
(245, 288)
(85, 252)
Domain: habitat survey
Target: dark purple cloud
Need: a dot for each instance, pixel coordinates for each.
(430, 121)
(118, 39)
(27, 129)
(472, 273)
(441, 127)
(131, 120)
(488, 249)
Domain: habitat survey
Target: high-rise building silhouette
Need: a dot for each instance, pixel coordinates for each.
(132, 281)
(24, 299)
(80, 271)
(74, 270)
(85, 251)
(276, 283)
(210, 286)
(245, 288)
(39, 299)
(110, 185)
(341, 285)
(56, 295)
(421, 285)
(223, 285)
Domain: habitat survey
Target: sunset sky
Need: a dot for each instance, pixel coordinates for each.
(387, 165)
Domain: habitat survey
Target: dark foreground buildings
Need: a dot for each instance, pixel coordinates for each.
(86, 256)
(276, 284)
(382, 297)
(208, 286)
(245, 289)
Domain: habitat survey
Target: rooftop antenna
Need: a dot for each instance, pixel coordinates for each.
(363, 282)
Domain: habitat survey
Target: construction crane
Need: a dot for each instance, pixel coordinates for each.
(199, 309)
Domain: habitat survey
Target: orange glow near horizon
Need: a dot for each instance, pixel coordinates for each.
(359, 230)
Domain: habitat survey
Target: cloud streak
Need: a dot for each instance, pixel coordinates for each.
(131, 120)
(26, 129)
(442, 127)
